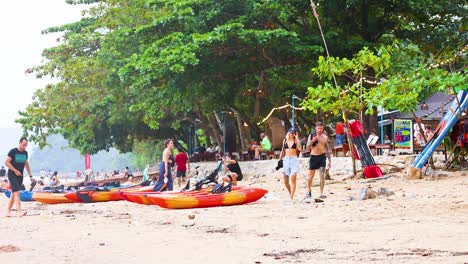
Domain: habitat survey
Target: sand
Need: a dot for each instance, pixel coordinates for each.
(425, 221)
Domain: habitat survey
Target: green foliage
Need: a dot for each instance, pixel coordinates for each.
(352, 91)
(143, 70)
(433, 25)
(407, 79)
(405, 91)
(126, 77)
(147, 152)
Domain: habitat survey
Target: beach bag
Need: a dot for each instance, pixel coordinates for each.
(280, 161)
(279, 165)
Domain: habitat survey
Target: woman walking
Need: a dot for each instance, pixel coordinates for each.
(291, 147)
(165, 181)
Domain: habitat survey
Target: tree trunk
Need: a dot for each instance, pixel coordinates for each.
(252, 126)
(365, 21)
(257, 96)
(240, 126)
(351, 145)
(215, 131)
(318, 117)
(218, 121)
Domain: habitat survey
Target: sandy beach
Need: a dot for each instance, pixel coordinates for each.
(425, 221)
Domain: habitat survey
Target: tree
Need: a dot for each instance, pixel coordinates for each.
(403, 83)
(147, 76)
(148, 69)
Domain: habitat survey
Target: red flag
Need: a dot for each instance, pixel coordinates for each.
(87, 161)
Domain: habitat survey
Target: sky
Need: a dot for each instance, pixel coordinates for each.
(22, 43)
(21, 46)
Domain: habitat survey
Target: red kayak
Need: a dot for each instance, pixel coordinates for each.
(140, 197)
(198, 199)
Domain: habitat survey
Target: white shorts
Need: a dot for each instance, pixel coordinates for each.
(290, 166)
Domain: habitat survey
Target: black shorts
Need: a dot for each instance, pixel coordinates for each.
(317, 161)
(181, 174)
(15, 182)
(239, 177)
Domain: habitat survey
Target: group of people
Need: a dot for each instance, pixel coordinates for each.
(165, 181)
(17, 162)
(53, 178)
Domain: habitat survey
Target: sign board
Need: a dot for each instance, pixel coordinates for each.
(403, 135)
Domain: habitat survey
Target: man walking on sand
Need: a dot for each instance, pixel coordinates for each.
(16, 161)
(340, 133)
(319, 151)
(183, 164)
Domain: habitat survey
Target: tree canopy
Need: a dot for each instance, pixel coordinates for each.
(133, 71)
(371, 79)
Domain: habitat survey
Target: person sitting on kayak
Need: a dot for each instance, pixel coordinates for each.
(54, 181)
(130, 181)
(153, 181)
(4, 185)
(231, 166)
(41, 181)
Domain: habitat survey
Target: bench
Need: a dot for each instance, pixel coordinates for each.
(381, 147)
(267, 154)
(341, 148)
(440, 149)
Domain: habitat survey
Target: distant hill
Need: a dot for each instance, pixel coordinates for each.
(59, 157)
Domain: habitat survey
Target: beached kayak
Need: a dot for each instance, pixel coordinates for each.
(93, 196)
(184, 201)
(25, 196)
(96, 196)
(141, 197)
(51, 198)
(137, 189)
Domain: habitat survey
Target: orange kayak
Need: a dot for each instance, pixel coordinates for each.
(102, 196)
(202, 200)
(51, 198)
(93, 196)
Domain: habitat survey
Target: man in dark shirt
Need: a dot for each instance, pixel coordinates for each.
(2, 172)
(231, 166)
(16, 161)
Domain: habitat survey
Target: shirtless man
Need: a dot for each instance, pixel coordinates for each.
(319, 151)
